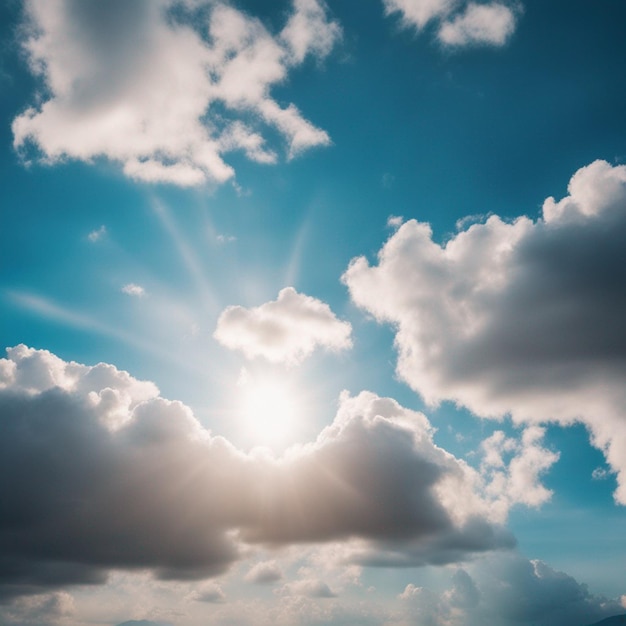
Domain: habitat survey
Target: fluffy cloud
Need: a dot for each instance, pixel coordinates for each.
(264, 573)
(310, 587)
(521, 317)
(507, 590)
(418, 13)
(166, 87)
(460, 23)
(98, 472)
(288, 329)
(516, 481)
(490, 24)
(209, 592)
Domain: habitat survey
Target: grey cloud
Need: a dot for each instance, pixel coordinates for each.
(522, 317)
(98, 472)
(210, 592)
(264, 573)
(508, 590)
(50, 609)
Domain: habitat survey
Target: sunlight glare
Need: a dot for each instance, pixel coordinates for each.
(268, 410)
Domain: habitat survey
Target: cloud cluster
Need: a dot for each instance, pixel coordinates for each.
(166, 87)
(516, 317)
(98, 472)
(459, 23)
(507, 590)
(287, 329)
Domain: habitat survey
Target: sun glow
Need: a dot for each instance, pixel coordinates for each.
(268, 410)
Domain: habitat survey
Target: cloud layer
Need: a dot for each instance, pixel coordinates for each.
(287, 329)
(507, 590)
(522, 317)
(166, 87)
(459, 23)
(98, 472)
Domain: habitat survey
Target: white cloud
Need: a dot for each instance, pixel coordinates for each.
(97, 234)
(140, 484)
(460, 23)
(490, 24)
(516, 481)
(522, 317)
(132, 289)
(140, 85)
(418, 13)
(308, 31)
(288, 329)
(394, 221)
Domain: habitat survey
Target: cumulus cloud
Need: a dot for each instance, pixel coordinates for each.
(516, 317)
(209, 592)
(460, 23)
(166, 88)
(288, 329)
(310, 587)
(507, 590)
(99, 472)
(264, 573)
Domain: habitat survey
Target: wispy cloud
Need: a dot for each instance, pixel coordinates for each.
(97, 234)
(132, 289)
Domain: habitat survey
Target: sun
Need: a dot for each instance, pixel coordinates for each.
(268, 409)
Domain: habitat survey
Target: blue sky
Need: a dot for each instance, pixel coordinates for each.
(314, 312)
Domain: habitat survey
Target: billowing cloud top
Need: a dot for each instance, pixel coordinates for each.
(287, 329)
(97, 471)
(507, 589)
(523, 317)
(460, 23)
(166, 87)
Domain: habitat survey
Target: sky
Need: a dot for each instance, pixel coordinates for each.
(313, 312)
